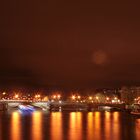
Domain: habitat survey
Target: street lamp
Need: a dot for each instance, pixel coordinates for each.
(79, 97)
(73, 97)
(16, 96)
(107, 98)
(113, 101)
(38, 96)
(54, 96)
(90, 98)
(97, 97)
(3, 93)
(58, 96)
(118, 101)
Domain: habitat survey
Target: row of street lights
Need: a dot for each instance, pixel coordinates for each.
(57, 97)
(95, 99)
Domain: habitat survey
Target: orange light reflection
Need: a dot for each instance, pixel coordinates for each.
(97, 127)
(15, 126)
(116, 126)
(0, 126)
(138, 129)
(107, 122)
(37, 126)
(56, 126)
(75, 130)
(90, 129)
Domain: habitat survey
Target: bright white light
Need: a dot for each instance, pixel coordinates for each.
(52, 100)
(113, 101)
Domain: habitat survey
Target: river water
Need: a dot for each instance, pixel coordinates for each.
(39, 125)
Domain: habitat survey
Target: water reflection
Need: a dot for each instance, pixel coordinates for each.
(69, 126)
(75, 129)
(112, 126)
(37, 125)
(97, 125)
(116, 126)
(0, 126)
(103, 126)
(16, 126)
(56, 126)
(107, 125)
(90, 128)
(138, 129)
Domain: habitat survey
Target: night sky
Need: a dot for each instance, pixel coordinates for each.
(69, 44)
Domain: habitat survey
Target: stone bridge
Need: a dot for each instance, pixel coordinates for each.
(10, 104)
(84, 106)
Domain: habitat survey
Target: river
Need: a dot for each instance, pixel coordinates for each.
(39, 125)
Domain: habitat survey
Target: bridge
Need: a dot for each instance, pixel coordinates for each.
(84, 106)
(10, 104)
(63, 105)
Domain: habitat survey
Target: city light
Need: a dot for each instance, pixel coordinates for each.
(107, 98)
(38, 96)
(16, 96)
(54, 96)
(97, 97)
(58, 96)
(79, 97)
(4, 93)
(113, 101)
(90, 98)
(60, 102)
(73, 97)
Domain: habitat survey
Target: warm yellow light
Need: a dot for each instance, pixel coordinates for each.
(56, 132)
(115, 98)
(58, 96)
(90, 98)
(73, 97)
(113, 101)
(4, 93)
(97, 97)
(79, 97)
(36, 128)
(15, 121)
(54, 96)
(16, 96)
(38, 96)
(107, 98)
(46, 98)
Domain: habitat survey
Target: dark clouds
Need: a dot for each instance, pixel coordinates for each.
(69, 44)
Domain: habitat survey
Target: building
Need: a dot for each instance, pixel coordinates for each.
(130, 94)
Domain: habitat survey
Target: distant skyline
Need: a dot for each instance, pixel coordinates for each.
(69, 44)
